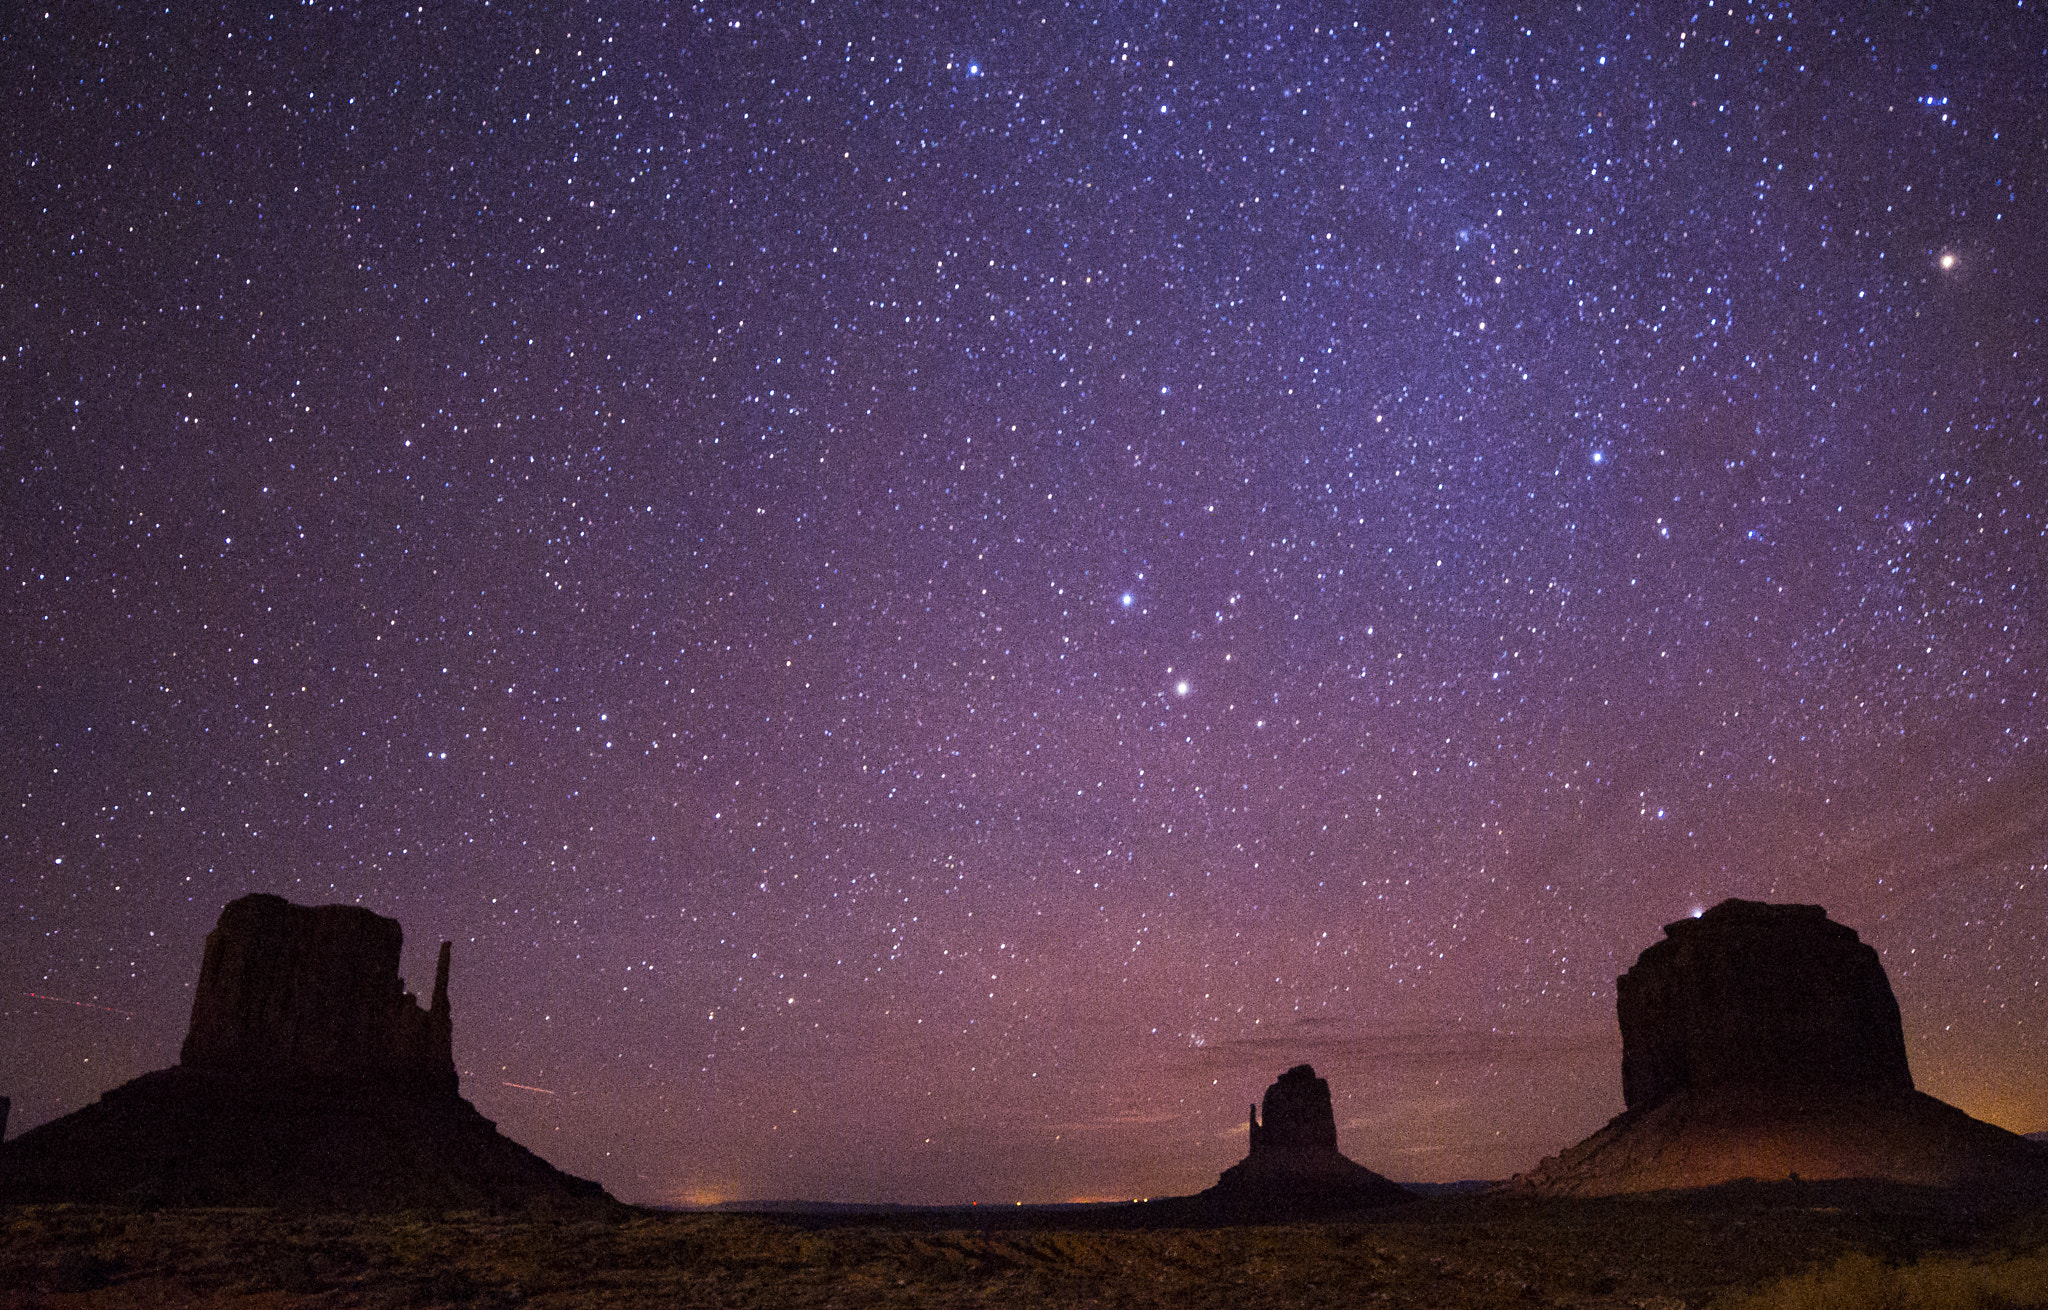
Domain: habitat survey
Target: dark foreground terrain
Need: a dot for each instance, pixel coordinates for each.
(1754, 1246)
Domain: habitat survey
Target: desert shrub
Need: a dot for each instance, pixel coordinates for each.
(822, 1251)
(291, 1271)
(449, 1283)
(347, 1256)
(414, 1243)
(1862, 1282)
(80, 1271)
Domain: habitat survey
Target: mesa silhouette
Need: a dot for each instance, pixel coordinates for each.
(1763, 1041)
(1293, 1166)
(309, 1078)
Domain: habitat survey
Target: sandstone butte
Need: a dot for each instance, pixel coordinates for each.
(1763, 1042)
(1293, 1164)
(308, 1078)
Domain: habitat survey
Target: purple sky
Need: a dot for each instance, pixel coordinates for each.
(933, 598)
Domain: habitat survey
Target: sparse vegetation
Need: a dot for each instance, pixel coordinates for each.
(1757, 1248)
(1860, 1281)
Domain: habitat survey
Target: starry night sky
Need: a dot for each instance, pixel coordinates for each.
(932, 596)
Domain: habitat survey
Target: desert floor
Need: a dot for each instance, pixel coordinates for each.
(1780, 1245)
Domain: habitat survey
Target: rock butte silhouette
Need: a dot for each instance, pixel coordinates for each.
(1758, 1042)
(1294, 1164)
(1763, 1042)
(309, 1078)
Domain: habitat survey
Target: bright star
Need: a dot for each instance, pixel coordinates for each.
(1181, 688)
(1129, 600)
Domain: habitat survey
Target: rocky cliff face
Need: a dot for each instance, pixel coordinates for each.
(1299, 1119)
(1750, 995)
(296, 991)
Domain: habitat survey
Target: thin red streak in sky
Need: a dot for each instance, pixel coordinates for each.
(524, 1088)
(83, 1005)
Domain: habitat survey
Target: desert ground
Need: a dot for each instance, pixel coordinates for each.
(1747, 1246)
